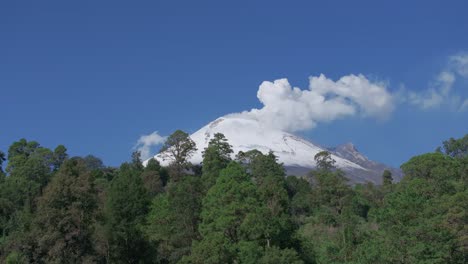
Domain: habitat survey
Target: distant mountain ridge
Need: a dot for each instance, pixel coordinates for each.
(296, 153)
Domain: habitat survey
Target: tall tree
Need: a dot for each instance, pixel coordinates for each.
(272, 221)
(215, 158)
(324, 161)
(31, 161)
(437, 168)
(60, 155)
(387, 178)
(137, 163)
(225, 208)
(174, 217)
(178, 148)
(244, 218)
(65, 216)
(93, 163)
(126, 208)
(29, 169)
(457, 148)
(2, 159)
(151, 177)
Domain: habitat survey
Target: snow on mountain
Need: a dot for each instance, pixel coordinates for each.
(297, 154)
(247, 134)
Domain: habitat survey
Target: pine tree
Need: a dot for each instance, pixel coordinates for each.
(151, 177)
(126, 208)
(387, 178)
(60, 155)
(225, 208)
(324, 161)
(174, 217)
(215, 158)
(178, 148)
(2, 159)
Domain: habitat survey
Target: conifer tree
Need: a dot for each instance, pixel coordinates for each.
(215, 158)
(126, 208)
(178, 148)
(387, 178)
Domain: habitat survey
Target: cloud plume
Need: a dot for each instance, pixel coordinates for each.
(146, 142)
(293, 109)
(441, 92)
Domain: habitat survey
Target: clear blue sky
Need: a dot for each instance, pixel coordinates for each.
(96, 75)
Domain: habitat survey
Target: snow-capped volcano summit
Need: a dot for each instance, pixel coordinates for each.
(294, 152)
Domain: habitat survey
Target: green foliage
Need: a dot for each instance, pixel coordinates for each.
(55, 209)
(137, 163)
(280, 256)
(127, 205)
(228, 202)
(29, 169)
(173, 220)
(324, 161)
(31, 161)
(151, 176)
(16, 258)
(300, 197)
(178, 148)
(215, 158)
(244, 214)
(2, 159)
(272, 221)
(439, 169)
(457, 148)
(411, 228)
(93, 163)
(160, 228)
(387, 178)
(65, 216)
(59, 156)
(225, 209)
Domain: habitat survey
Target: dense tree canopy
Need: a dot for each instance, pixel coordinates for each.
(57, 209)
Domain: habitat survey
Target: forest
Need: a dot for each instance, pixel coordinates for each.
(60, 209)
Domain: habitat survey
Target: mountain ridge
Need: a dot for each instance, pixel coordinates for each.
(296, 153)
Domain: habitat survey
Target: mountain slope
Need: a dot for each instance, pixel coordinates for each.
(297, 154)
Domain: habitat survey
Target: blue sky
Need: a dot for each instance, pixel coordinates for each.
(96, 75)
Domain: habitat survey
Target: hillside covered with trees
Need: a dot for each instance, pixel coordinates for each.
(60, 209)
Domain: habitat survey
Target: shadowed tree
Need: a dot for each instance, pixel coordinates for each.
(126, 208)
(60, 155)
(456, 148)
(324, 161)
(173, 220)
(178, 148)
(387, 178)
(29, 169)
(152, 178)
(137, 163)
(65, 216)
(215, 158)
(2, 159)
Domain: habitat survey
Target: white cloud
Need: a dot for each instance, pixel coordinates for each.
(145, 143)
(459, 63)
(292, 109)
(429, 99)
(440, 92)
(464, 105)
(373, 99)
(436, 95)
